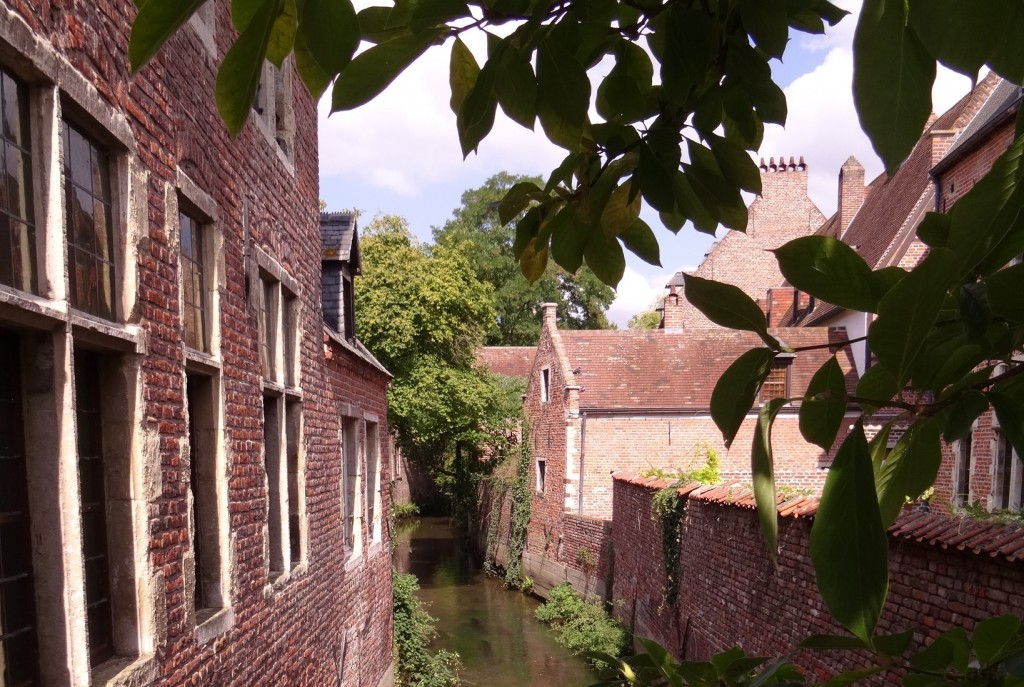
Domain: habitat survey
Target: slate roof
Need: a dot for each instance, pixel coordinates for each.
(511, 361)
(678, 370)
(339, 238)
(980, 537)
(1000, 105)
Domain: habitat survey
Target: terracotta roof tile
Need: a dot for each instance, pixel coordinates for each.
(679, 369)
(511, 361)
(979, 537)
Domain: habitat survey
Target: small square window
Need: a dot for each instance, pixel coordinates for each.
(776, 385)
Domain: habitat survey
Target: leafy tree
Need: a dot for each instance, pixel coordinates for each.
(648, 319)
(476, 231)
(948, 334)
(423, 315)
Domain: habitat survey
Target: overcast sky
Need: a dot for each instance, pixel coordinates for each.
(400, 153)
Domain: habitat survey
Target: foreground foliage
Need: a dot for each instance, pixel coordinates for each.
(415, 665)
(676, 116)
(581, 626)
(992, 656)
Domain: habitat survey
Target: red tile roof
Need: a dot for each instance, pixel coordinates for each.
(979, 537)
(511, 361)
(679, 370)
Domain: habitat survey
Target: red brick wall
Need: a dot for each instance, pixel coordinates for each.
(294, 635)
(730, 594)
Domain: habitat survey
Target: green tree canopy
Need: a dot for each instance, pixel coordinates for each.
(648, 319)
(423, 314)
(476, 231)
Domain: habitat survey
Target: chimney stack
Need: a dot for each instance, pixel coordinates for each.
(852, 192)
(550, 315)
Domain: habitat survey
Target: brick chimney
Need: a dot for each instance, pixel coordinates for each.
(851, 192)
(780, 303)
(550, 315)
(672, 314)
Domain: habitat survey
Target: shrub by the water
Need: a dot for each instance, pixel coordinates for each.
(415, 665)
(580, 625)
(404, 510)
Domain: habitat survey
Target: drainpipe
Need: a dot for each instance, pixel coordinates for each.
(583, 444)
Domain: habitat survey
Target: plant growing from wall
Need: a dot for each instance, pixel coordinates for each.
(522, 505)
(498, 490)
(580, 625)
(415, 665)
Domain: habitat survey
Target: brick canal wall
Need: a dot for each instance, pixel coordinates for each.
(730, 594)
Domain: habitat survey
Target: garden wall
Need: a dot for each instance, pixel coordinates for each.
(944, 571)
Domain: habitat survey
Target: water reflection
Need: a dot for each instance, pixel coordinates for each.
(493, 630)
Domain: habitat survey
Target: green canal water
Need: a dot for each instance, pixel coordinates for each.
(494, 631)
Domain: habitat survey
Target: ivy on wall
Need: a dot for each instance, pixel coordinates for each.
(521, 510)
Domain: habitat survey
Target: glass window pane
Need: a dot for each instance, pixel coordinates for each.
(23, 268)
(6, 256)
(186, 235)
(101, 225)
(18, 191)
(79, 160)
(84, 235)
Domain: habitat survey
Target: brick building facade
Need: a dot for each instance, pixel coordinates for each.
(193, 470)
(602, 401)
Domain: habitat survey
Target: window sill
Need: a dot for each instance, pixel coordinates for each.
(125, 672)
(354, 562)
(30, 310)
(129, 338)
(204, 363)
(279, 580)
(375, 549)
(214, 626)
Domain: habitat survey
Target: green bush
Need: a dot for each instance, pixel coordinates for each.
(580, 625)
(415, 666)
(404, 510)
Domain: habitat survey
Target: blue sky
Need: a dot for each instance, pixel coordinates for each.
(400, 153)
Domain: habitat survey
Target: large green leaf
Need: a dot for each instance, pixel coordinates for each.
(1010, 412)
(282, 36)
(639, 238)
(962, 414)
(626, 93)
(736, 165)
(766, 21)
(876, 386)
(430, 13)
(949, 29)
(157, 21)
(239, 75)
(476, 114)
(569, 239)
(562, 82)
(517, 199)
(822, 411)
(331, 32)
(1004, 293)
(463, 71)
(848, 544)
(909, 469)
(727, 305)
(621, 210)
(762, 467)
(736, 390)
(828, 269)
(312, 74)
(907, 313)
(371, 71)
(892, 80)
(993, 636)
(605, 258)
(516, 85)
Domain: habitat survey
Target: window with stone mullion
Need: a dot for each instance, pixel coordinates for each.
(17, 214)
(193, 281)
(18, 642)
(89, 224)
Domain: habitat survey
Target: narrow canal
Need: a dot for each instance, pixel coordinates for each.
(494, 631)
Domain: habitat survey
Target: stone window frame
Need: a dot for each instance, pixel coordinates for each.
(545, 384)
(374, 481)
(206, 367)
(351, 443)
(204, 24)
(273, 111)
(1007, 473)
(963, 452)
(284, 450)
(49, 331)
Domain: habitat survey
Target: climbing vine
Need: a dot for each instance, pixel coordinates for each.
(667, 509)
(520, 522)
(499, 489)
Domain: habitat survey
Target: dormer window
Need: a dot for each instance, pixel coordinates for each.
(776, 385)
(340, 263)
